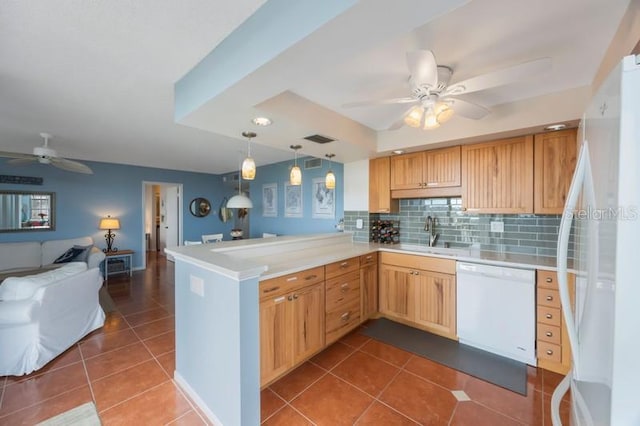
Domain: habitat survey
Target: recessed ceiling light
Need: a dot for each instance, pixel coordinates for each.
(398, 151)
(556, 127)
(261, 121)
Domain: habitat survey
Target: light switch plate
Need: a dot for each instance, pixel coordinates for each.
(359, 224)
(196, 284)
(497, 226)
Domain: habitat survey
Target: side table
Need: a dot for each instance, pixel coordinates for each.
(117, 262)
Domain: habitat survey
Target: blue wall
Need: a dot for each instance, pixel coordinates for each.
(81, 200)
(279, 173)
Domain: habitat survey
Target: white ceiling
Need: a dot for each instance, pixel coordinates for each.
(100, 75)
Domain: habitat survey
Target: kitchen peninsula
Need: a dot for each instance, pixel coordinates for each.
(220, 307)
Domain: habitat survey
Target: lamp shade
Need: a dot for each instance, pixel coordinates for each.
(239, 202)
(109, 223)
(330, 180)
(248, 169)
(295, 177)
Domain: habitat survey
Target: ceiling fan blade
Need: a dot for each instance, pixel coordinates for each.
(70, 166)
(422, 68)
(23, 161)
(501, 77)
(379, 102)
(14, 155)
(467, 109)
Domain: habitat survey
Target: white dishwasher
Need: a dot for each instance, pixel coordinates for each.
(496, 310)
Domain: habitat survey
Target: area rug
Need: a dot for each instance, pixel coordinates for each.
(486, 366)
(106, 301)
(82, 415)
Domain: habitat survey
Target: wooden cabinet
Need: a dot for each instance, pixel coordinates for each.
(426, 174)
(555, 156)
(552, 342)
(419, 291)
(291, 321)
(342, 298)
(380, 200)
(368, 286)
(497, 177)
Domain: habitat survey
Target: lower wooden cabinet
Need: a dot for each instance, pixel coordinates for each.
(342, 300)
(291, 330)
(368, 286)
(419, 291)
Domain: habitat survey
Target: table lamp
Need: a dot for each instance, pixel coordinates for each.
(109, 223)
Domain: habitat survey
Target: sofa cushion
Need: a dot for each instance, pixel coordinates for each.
(20, 288)
(20, 256)
(74, 254)
(52, 249)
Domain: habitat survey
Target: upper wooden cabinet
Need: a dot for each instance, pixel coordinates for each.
(379, 187)
(554, 163)
(497, 177)
(426, 174)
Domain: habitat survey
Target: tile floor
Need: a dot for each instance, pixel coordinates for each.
(126, 369)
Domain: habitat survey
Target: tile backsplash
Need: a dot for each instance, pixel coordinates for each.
(527, 234)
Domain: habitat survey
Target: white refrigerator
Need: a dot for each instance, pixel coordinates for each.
(603, 206)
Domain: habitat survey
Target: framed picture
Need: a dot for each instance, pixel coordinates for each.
(270, 200)
(323, 201)
(292, 200)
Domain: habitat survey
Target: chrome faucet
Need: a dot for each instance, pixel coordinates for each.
(430, 226)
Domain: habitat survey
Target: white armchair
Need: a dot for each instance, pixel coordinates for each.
(45, 315)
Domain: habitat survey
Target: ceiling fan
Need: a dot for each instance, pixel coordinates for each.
(45, 155)
(437, 99)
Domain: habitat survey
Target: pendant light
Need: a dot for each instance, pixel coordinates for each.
(330, 178)
(295, 176)
(240, 201)
(248, 165)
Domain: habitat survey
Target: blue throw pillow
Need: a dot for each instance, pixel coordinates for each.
(74, 254)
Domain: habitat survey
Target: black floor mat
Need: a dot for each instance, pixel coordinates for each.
(492, 368)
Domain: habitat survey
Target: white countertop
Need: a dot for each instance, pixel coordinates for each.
(273, 257)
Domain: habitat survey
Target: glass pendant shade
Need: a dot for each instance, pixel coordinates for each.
(295, 177)
(430, 120)
(414, 118)
(248, 169)
(443, 112)
(330, 180)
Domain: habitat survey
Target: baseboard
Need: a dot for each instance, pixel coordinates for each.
(195, 398)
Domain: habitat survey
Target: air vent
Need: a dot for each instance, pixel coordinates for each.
(312, 163)
(319, 139)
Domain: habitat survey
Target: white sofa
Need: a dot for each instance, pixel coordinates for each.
(44, 314)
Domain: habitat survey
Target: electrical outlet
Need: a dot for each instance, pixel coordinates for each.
(497, 226)
(196, 285)
(359, 224)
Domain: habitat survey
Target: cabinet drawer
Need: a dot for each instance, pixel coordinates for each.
(341, 321)
(342, 290)
(342, 267)
(369, 259)
(548, 297)
(277, 286)
(547, 279)
(425, 263)
(549, 334)
(549, 316)
(550, 351)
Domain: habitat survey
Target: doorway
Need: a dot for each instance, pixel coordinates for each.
(162, 217)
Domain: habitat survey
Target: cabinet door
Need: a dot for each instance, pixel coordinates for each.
(308, 321)
(442, 167)
(275, 338)
(555, 161)
(369, 291)
(406, 171)
(396, 292)
(380, 187)
(497, 176)
(435, 299)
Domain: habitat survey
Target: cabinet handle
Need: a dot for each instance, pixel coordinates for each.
(269, 290)
(311, 277)
(295, 296)
(369, 257)
(549, 352)
(344, 264)
(464, 209)
(549, 280)
(419, 184)
(278, 299)
(549, 334)
(292, 279)
(289, 298)
(345, 316)
(344, 287)
(410, 272)
(549, 316)
(416, 273)
(549, 298)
